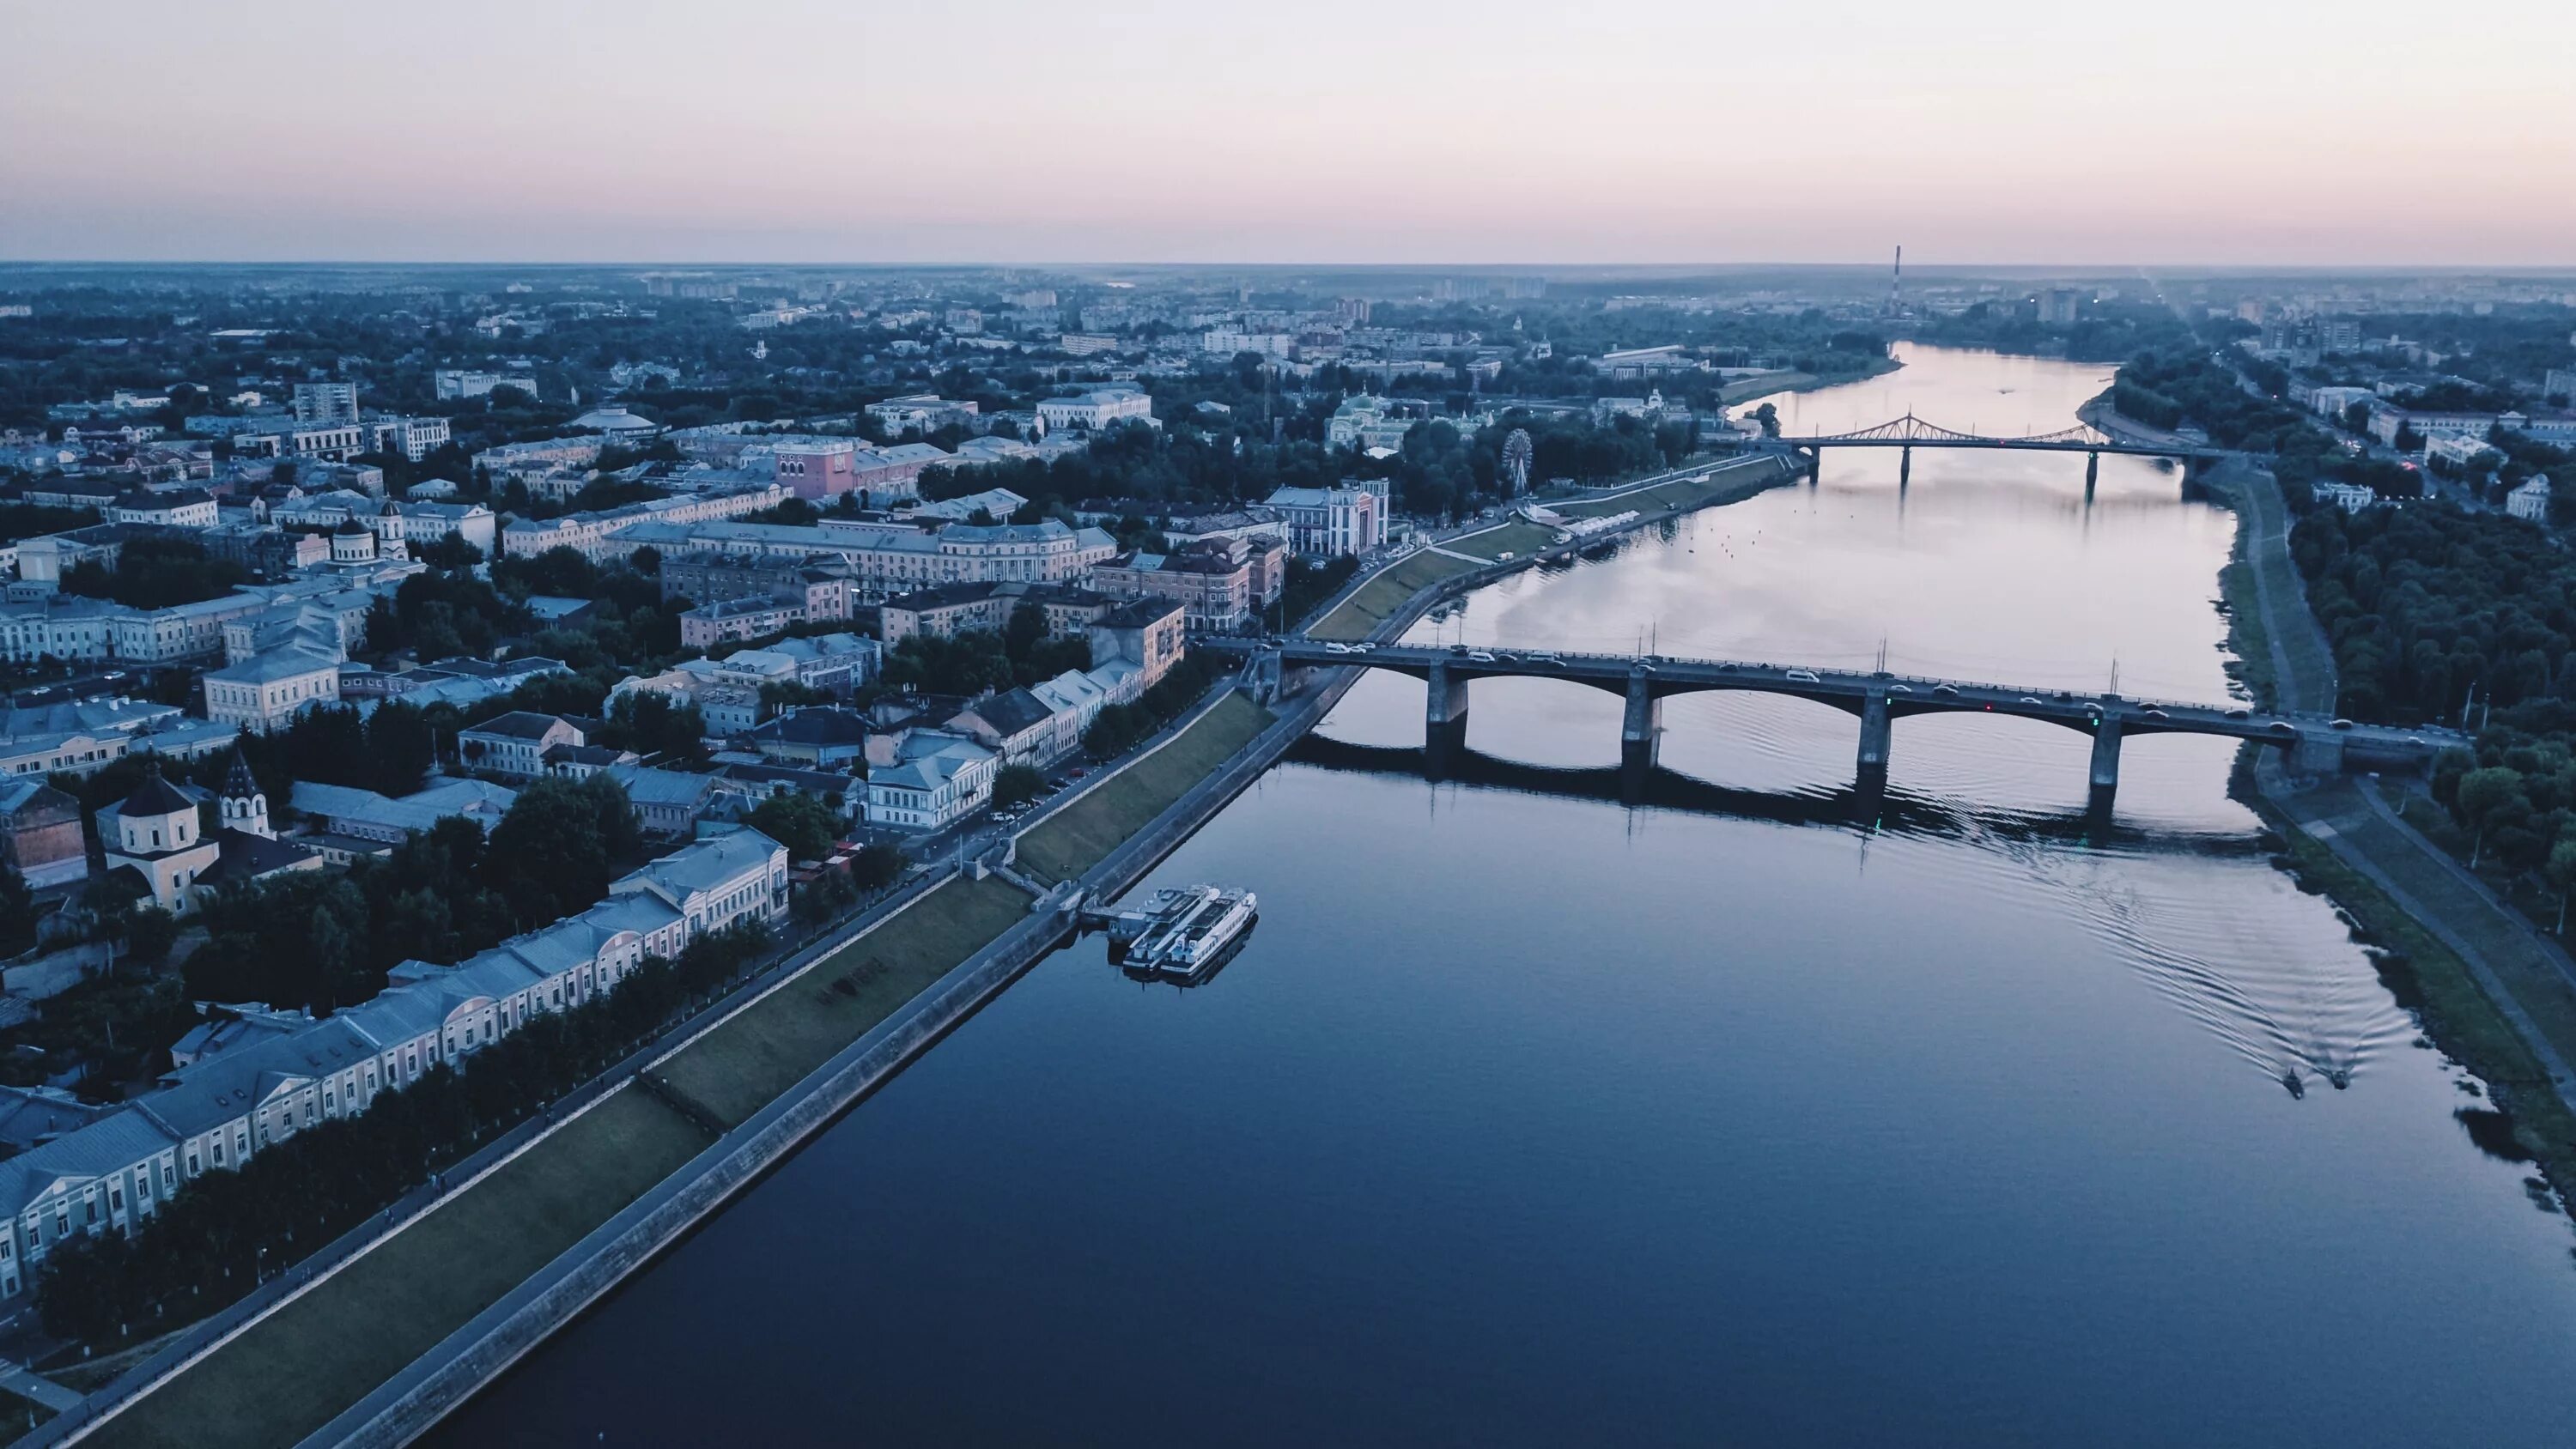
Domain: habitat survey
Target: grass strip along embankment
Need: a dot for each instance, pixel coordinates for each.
(771, 1045)
(290, 1373)
(1075, 838)
(1721, 485)
(1516, 538)
(293, 1371)
(1382, 597)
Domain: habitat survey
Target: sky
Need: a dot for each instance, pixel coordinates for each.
(2270, 132)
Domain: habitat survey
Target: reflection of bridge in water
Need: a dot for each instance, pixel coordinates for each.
(1868, 804)
(2319, 745)
(1910, 432)
(2296, 1019)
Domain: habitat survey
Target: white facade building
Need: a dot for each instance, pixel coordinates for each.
(1092, 411)
(2531, 500)
(269, 690)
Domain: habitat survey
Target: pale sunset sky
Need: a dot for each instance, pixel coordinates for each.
(1989, 131)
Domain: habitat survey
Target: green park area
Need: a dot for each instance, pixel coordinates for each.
(294, 1370)
(771, 1045)
(1722, 485)
(1381, 597)
(1517, 538)
(1075, 838)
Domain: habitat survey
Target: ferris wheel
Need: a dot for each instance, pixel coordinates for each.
(1517, 451)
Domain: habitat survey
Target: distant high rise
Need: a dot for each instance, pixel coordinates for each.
(322, 403)
(2059, 305)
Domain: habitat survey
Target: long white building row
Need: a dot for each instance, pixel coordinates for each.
(221, 1108)
(886, 559)
(598, 534)
(73, 627)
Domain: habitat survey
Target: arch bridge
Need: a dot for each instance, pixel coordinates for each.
(1910, 432)
(2318, 744)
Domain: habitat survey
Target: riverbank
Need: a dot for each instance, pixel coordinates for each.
(1384, 596)
(1746, 389)
(2490, 991)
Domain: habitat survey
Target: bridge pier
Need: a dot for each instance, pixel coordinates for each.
(2092, 474)
(2106, 762)
(1444, 712)
(2319, 752)
(1815, 466)
(1641, 727)
(1904, 467)
(1874, 739)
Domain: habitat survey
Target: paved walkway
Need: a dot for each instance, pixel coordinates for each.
(34, 1386)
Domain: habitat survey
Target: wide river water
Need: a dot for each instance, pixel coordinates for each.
(1531, 1117)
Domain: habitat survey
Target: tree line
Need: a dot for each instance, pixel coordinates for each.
(321, 940)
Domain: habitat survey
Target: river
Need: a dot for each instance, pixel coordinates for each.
(1528, 1117)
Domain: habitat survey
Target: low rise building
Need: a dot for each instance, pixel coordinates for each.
(2531, 500)
(930, 779)
(1014, 724)
(952, 609)
(366, 815)
(667, 802)
(1147, 636)
(1221, 584)
(729, 620)
(1097, 409)
(817, 737)
(40, 834)
(514, 745)
(268, 690)
(1329, 522)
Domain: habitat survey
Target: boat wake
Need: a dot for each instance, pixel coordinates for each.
(2300, 1011)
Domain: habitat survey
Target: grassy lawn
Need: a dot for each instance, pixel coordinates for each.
(1745, 387)
(300, 1366)
(2456, 1011)
(1724, 485)
(1075, 838)
(745, 1064)
(1516, 538)
(1381, 597)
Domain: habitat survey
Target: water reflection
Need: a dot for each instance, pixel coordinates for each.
(2296, 1016)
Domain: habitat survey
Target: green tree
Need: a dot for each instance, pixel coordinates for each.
(401, 747)
(805, 825)
(557, 849)
(1015, 785)
(2561, 871)
(2483, 794)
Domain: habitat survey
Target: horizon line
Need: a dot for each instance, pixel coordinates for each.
(2543, 268)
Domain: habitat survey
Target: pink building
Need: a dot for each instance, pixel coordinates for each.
(817, 470)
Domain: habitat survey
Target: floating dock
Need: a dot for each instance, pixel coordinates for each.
(1182, 934)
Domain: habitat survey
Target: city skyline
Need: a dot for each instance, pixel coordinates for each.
(793, 132)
